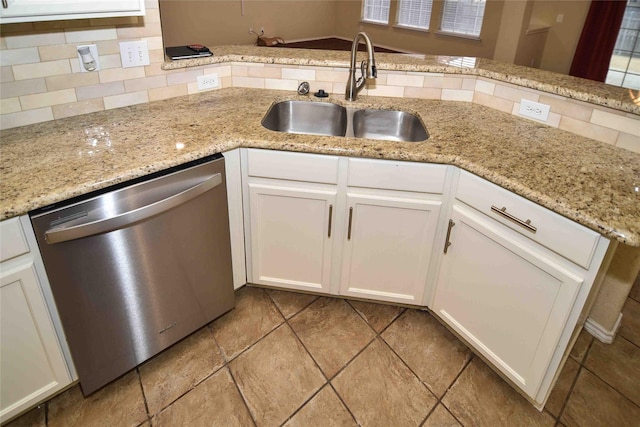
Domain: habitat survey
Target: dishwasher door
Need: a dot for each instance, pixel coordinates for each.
(137, 269)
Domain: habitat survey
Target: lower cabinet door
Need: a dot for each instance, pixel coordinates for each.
(32, 365)
(387, 247)
(291, 236)
(506, 299)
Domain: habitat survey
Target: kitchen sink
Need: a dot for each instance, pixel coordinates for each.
(315, 118)
(324, 118)
(389, 125)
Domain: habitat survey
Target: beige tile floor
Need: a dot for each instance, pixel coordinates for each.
(282, 358)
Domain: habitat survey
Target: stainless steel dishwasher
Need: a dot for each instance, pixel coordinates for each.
(137, 268)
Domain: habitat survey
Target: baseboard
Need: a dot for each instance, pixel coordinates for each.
(600, 333)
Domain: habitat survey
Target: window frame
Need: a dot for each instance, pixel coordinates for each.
(629, 77)
(438, 10)
(366, 20)
(398, 24)
(465, 35)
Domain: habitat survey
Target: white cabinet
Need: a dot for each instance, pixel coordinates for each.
(512, 299)
(388, 247)
(291, 236)
(504, 298)
(356, 227)
(290, 204)
(46, 10)
(512, 283)
(32, 363)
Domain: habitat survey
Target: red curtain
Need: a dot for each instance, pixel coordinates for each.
(598, 39)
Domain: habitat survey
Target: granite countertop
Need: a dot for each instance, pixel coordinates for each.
(571, 87)
(584, 180)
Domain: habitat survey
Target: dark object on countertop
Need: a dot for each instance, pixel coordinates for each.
(321, 94)
(267, 41)
(270, 41)
(190, 51)
(332, 43)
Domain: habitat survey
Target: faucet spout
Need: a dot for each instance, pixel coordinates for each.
(367, 68)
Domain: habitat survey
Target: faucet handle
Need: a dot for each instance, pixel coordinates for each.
(363, 69)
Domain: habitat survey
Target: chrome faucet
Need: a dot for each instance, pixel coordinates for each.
(367, 68)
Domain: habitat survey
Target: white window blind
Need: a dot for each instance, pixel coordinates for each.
(376, 11)
(463, 16)
(415, 13)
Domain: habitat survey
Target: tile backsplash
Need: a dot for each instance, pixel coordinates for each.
(41, 80)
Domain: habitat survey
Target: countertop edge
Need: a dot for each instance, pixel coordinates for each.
(168, 126)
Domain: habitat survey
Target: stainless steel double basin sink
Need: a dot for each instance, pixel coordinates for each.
(324, 118)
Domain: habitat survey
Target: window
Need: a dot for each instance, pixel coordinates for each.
(376, 11)
(624, 68)
(463, 17)
(415, 13)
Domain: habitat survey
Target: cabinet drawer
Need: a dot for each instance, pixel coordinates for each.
(561, 235)
(293, 166)
(394, 175)
(13, 242)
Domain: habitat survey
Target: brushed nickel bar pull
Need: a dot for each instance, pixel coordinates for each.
(526, 224)
(350, 220)
(447, 243)
(5, 4)
(330, 217)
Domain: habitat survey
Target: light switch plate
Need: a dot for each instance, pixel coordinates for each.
(134, 54)
(534, 110)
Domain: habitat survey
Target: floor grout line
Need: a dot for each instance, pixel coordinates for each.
(328, 380)
(242, 396)
(293, 331)
(611, 386)
(627, 340)
(144, 395)
(355, 420)
(464, 368)
(286, 322)
(583, 365)
(569, 393)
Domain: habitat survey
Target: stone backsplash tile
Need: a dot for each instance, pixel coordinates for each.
(117, 101)
(615, 121)
(41, 69)
(629, 142)
(46, 99)
(100, 90)
(76, 108)
(589, 130)
(10, 105)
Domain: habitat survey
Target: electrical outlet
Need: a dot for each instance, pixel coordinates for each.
(534, 110)
(208, 81)
(134, 54)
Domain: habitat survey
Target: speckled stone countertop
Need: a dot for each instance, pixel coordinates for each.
(587, 181)
(546, 81)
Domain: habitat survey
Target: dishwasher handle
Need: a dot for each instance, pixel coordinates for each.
(58, 235)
